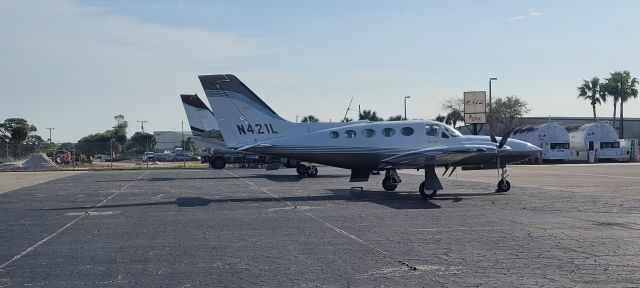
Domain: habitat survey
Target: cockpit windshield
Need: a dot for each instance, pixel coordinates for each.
(451, 131)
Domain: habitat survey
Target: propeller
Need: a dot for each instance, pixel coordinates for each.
(503, 140)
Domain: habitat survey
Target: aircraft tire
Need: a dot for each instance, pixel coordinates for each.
(503, 186)
(218, 163)
(424, 194)
(302, 169)
(312, 171)
(388, 184)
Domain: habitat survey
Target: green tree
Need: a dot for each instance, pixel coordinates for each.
(504, 112)
(395, 118)
(622, 87)
(440, 118)
(18, 132)
(594, 92)
(453, 104)
(98, 143)
(454, 117)
(188, 145)
(140, 143)
(310, 118)
(119, 132)
(369, 115)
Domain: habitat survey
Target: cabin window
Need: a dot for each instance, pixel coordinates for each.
(432, 130)
(334, 134)
(554, 146)
(406, 131)
(451, 131)
(607, 145)
(388, 132)
(368, 133)
(444, 135)
(350, 134)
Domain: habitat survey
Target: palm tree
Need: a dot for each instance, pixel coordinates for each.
(622, 87)
(592, 91)
(310, 118)
(454, 117)
(369, 115)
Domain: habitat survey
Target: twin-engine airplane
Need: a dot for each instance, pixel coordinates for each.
(248, 123)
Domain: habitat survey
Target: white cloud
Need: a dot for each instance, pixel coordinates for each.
(516, 18)
(532, 13)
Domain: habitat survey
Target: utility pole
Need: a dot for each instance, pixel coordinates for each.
(142, 124)
(184, 153)
(50, 135)
(490, 79)
(405, 106)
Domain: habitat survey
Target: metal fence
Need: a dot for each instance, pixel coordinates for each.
(99, 155)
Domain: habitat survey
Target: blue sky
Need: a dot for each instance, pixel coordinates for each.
(73, 65)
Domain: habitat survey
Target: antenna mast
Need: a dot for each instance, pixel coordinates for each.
(348, 108)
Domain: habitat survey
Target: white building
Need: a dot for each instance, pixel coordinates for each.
(551, 137)
(595, 141)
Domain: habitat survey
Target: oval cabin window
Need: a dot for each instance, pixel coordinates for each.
(334, 134)
(368, 133)
(388, 132)
(406, 131)
(349, 133)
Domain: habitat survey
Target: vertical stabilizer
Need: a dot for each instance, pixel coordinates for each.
(243, 117)
(200, 117)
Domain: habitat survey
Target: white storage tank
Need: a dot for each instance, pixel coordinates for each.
(551, 137)
(595, 141)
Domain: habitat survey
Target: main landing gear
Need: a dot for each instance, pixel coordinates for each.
(391, 180)
(304, 170)
(431, 184)
(503, 184)
(424, 193)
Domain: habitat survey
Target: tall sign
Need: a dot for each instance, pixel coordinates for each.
(475, 107)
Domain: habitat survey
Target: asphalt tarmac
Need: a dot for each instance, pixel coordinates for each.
(247, 228)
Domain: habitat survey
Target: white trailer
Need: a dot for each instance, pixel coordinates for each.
(596, 141)
(551, 137)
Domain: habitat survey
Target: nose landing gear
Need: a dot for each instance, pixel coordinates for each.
(304, 170)
(503, 184)
(391, 180)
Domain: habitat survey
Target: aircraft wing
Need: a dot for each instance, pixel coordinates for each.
(437, 155)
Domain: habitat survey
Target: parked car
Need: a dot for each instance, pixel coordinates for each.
(148, 156)
(182, 156)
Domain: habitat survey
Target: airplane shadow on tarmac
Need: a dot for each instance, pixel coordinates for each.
(395, 200)
(274, 178)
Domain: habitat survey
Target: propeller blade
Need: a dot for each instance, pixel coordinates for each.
(454, 169)
(504, 139)
(492, 136)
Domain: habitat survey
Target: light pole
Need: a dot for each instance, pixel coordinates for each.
(490, 79)
(405, 106)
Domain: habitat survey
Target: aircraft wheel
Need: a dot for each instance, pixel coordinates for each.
(302, 169)
(388, 184)
(312, 171)
(424, 194)
(503, 186)
(218, 163)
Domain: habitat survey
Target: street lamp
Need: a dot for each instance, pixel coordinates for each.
(490, 79)
(405, 106)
